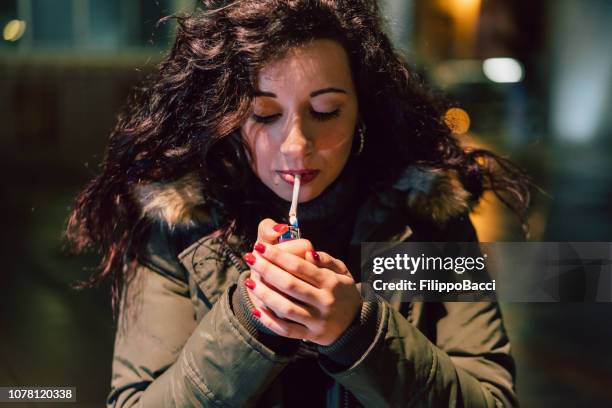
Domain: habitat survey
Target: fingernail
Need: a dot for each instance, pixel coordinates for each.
(256, 312)
(259, 247)
(315, 255)
(249, 258)
(249, 283)
(281, 228)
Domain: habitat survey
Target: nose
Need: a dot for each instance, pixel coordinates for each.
(296, 143)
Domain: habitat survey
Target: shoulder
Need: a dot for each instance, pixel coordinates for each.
(432, 202)
(458, 228)
(438, 204)
(173, 215)
(434, 195)
(157, 246)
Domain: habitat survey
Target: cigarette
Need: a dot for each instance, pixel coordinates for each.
(294, 201)
(294, 228)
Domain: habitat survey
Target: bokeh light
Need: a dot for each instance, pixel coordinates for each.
(503, 70)
(13, 30)
(457, 120)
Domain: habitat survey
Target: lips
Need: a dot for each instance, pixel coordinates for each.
(307, 175)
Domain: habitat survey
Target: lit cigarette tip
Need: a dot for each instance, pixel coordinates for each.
(293, 221)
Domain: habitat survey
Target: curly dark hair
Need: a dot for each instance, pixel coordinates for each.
(188, 116)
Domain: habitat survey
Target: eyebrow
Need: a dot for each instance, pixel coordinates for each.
(312, 94)
(326, 90)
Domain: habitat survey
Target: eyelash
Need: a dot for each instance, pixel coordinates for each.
(323, 116)
(319, 116)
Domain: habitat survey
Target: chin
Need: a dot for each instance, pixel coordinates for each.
(309, 193)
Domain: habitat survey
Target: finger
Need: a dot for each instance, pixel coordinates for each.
(281, 306)
(269, 230)
(291, 263)
(325, 260)
(282, 327)
(282, 280)
(254, 277)
(298, 247)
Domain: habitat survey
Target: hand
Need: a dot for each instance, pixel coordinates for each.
(268, 232)
(313, 299)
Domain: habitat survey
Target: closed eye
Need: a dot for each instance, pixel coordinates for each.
(266, 119)
(322, 116)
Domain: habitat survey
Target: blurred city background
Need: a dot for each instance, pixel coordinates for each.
(531, 80)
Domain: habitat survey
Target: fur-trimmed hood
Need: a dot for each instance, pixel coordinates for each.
(432, 194)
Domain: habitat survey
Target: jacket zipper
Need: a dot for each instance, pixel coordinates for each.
(346, 398)
(241, 266)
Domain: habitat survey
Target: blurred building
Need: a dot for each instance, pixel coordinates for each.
(531, 80)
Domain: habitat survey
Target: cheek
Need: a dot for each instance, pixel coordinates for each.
(264, 154)
(262, 146)
(334, 153)
(337, 138)
(337, 134)
(335, 147)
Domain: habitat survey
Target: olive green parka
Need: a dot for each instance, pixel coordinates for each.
(179, 344)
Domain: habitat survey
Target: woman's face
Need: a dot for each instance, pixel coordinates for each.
(303, 119)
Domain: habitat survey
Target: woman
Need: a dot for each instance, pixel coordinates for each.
(200, 171)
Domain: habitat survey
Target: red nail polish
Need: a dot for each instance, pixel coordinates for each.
(249, 258)
(281, 228)
(259, 247)
(249, 283)
(315, 255)
(256, 312)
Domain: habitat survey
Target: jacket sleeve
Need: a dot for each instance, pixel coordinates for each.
(470, 364)
(164, 358)
(467, 363)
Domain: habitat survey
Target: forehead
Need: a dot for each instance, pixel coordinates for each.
(317, 64)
